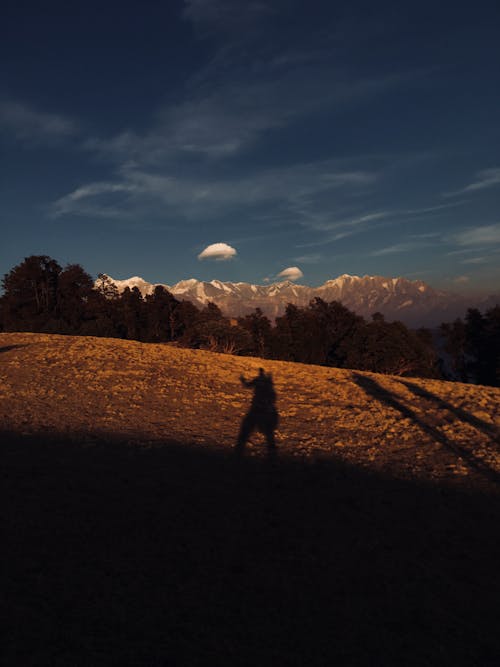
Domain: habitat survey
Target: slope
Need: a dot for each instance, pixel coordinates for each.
(132, 535)
(149, 393)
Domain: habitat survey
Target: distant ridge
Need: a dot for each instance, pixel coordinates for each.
(411, 301)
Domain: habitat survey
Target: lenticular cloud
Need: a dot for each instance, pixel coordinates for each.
(218, 251)
(292, 273)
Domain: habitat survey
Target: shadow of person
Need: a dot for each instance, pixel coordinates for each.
(263, 415)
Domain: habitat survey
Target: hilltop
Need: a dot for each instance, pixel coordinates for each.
(148, 393)
(135, 536)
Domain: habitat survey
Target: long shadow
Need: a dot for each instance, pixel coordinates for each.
(481, 425)
(179, 555)
(374, 389)
(262, 415)
(8, 348)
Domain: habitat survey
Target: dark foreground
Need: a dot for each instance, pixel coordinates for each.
(173, 556)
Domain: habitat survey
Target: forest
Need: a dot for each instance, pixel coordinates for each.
(39, 295)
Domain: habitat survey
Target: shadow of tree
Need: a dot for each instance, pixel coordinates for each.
(182, 555)
(374, 389)
(463, 415)
(8, 348)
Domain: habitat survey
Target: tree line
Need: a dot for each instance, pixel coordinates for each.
(41, 296)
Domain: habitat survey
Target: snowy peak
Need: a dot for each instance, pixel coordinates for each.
(412, 301)
(142, 285)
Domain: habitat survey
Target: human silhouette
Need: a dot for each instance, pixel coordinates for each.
(263, 414)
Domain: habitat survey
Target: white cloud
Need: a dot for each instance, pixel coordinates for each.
(221, 113)
(291, 273)
(205, 197)
(313, 258)
(26, 124)
(396, 248)
(82, 200)
(431, 209)
(218, 251)
(485, 234)
(487, 178)
(336, 228)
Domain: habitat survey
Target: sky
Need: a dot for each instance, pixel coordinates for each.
(253, 140)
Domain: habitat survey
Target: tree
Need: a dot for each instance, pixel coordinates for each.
(260, 330)
(132, 311)
(454, 335)
(288, 334)
(30, 293)
(106, 287)
(75, 290)
(162, 323)
(482, 336)
(390, 347)
(336, 326)
(492, 346)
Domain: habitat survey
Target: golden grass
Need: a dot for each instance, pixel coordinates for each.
(150, 393)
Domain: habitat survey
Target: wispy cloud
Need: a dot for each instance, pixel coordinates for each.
(485, 234)
(398, 248)
(487, 178)
(328, 225)
(248, 86)
(231, 116)
(431, 209)
(336, 228)
(32, 126)
(312, 258)
(475, 260)
(91, 199)
(222, 16)
(205, 197)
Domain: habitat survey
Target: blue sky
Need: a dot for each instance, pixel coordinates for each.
(358, 138)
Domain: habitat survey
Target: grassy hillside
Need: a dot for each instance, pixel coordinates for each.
(134, 536)
(95, 387)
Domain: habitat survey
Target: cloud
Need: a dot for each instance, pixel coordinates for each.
(461, 280)
(291, 273)
(205, 197)
(337, 228)
(29, 125)
(313, 258)
(218, 251)
(431, 209)
(224, 16)
(77, 202)
(487, 178)
(221, 118)
(475, 260)
(485, 234)
(333, 224)
(396, 248)
(424, 241)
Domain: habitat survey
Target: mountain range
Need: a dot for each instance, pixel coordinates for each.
(411, 301)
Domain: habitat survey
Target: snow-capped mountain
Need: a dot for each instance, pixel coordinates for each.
(412, 301)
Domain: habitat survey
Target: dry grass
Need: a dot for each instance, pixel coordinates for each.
(150, 393)
(133, 536)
